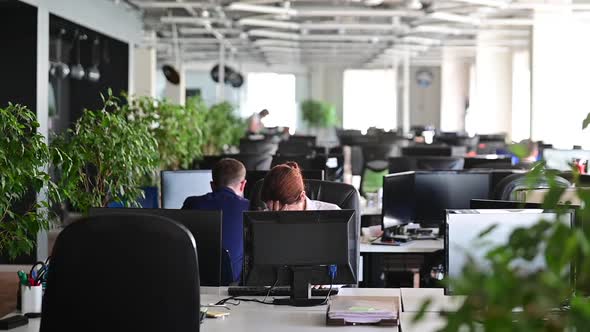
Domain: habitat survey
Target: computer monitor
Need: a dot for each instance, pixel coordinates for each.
(178, 185)
(299, 249)
(399, 203)
(254, 176)
(490, 162)
(427, 150)
(485, 204)
(437, 191)
(423, 197)
(464, 226)
(404, 164)
(205, 226)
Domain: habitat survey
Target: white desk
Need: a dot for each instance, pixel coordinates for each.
(413, 298)
(251, 317)
(413, 247)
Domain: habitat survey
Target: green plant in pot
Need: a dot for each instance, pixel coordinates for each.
(176, 128)
(108, 157)
(222, 128)
(24, 156)
(318, 114)
(553, 298)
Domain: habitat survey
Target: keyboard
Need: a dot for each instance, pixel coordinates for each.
(277, 291)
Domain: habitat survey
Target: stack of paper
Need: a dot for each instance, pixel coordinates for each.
(364, 309)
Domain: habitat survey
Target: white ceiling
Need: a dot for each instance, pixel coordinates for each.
(354, 33)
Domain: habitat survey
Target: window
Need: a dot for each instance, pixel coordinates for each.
(274, 92)
(370, 99)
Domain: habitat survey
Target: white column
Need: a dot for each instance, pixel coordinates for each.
(560, 71)
(493, 102)
(454, 89)
(176, 93)
(406, 94)
(144, 73)
(221, 83)
(42, 105)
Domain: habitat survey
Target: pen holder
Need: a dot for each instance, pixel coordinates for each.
(31, 298)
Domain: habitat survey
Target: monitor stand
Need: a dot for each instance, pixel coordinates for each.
(300, 289)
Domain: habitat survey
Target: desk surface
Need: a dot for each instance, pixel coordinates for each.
(416, 246)
(413, 298)
(248, 317)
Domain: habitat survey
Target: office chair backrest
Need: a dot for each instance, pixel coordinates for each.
(123, 273)
(507, 188)
(378, 152)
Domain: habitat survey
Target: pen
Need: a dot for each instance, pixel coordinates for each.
(31, 281)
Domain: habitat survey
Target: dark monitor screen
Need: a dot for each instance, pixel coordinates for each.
(205, 227)
(500, 162)
(277, 243)
(423, 197)
(435, 192)
(178, 185)
(399, 202)
(483, 204)
(427, 150)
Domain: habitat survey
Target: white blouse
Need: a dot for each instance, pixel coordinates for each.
(312, 205)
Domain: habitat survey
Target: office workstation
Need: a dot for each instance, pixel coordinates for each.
(294, 165)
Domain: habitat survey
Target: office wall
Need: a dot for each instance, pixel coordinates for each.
(425, 102)
(18, 33)
(105, 17)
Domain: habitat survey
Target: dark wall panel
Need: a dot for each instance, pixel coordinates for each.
(18, 54)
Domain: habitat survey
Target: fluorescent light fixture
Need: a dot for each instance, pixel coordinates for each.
(450, 17)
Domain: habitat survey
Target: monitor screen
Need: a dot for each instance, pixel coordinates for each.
(464, 226)
(561, 159)
(178, 185)
(277, 242)
(437, 191)
(399, 202)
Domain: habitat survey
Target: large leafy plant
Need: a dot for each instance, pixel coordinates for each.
(499, 288)
(107, 158)
(24, 156)
(221, 128)
(318, 114)
(176, 128)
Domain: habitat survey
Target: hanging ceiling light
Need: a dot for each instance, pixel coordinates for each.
(78, 71)
(93, 72)
(58, 68)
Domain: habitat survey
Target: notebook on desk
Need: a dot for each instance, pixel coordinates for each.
(377, 310)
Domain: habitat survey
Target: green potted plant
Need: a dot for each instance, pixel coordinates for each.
(176, 128)
(24, 156)
(318, 114)
(222, 128)
(108, 157)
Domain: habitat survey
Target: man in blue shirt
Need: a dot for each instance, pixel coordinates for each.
(229, 180)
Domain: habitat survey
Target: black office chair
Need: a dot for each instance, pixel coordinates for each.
(375, 160)
(509, 185)
(123, 273)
